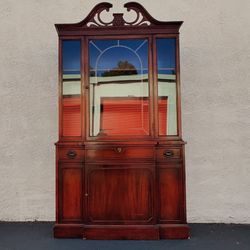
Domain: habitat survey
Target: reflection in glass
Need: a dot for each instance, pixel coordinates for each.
(71, 87)
(119, 95)
(166, 86)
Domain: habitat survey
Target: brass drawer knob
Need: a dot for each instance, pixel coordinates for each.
(118, 150)
(71, 154)
(168, 153)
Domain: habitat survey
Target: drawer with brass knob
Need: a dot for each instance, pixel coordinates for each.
(71, 154)
(168, 153)
(123, 153)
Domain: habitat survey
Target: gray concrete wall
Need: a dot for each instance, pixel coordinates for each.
(215, 61)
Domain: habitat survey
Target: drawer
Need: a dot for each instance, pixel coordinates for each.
(165, 154)
(120, 153)
(70, 154)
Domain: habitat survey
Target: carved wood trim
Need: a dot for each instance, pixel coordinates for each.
(94, 19)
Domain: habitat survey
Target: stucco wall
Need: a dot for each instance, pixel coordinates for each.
(215, 62)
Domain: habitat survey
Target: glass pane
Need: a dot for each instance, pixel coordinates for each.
(119, 92)
(167, 108)
(71, 87)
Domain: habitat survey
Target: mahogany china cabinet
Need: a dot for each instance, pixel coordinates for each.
(120, 166)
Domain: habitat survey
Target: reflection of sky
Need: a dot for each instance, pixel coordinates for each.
(165, 55)
(135, 51)
(71, 54)
(105, 54)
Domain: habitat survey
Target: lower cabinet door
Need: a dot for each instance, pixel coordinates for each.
(70, 192)
(120, 194)
(171, 200)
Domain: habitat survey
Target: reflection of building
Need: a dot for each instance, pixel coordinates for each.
(71, 84)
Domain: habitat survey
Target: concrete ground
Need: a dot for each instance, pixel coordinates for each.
(25, 236)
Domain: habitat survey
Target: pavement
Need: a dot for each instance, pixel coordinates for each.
(38, 235)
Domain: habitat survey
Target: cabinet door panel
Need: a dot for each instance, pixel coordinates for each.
(71, 193)
(170, 193)
(120, 194)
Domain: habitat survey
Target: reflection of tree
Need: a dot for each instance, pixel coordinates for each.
(123, 68)
(91, 70)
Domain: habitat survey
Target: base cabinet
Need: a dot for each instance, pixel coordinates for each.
(118, 197)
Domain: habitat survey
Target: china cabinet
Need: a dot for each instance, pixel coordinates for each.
(120, 167)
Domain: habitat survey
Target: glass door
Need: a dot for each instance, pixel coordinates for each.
(166, 86)
(71, 88)
(118, 88)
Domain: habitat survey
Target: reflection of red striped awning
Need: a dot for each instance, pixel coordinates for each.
(162, 115)
(72, 116)
(119, 116)
(125, 116)
(129, 116)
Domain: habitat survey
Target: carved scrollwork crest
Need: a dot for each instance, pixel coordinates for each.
(94, 20)
(142, 17)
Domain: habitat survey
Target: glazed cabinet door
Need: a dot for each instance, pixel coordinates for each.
(119, 88)
(71, 106)
(120, 193)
